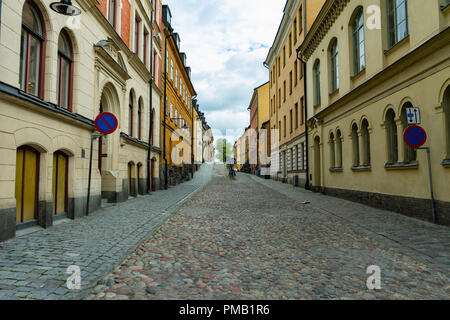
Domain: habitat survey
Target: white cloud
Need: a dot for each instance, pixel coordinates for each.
(226, 43)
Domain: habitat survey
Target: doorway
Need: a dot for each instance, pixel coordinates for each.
(317, 163)
(59, 182)
(27, 184)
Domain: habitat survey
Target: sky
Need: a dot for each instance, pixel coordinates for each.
(226, 43)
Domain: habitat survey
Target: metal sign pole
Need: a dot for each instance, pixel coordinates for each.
(93, 136)
(433, 204)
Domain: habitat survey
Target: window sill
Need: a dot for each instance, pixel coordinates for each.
(361, 168)
(358, 75)
(446, 163)
(402, 166)
(334, 93)
(445, 8)
(398, 44)
(336, 170)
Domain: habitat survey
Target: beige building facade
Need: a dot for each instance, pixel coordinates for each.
(367, 62)
(286, 92)
(57, 75)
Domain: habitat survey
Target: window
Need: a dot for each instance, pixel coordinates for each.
(296, 115)
(145, 47)
(359, 59)
(176, 78)
(64, 90)
(290, 121)
(302, 111)
(284, 91)
(171, 69)
(300, 20)
(279, 66)
(290, 44)
(279, 97)
(446, 105)
(112, 13)
(171, 114)
(397, 11)
(302, 152)
(181, 85)
(290, 82)
(284, 56)
(136, 35)
(366, 142)
(130, 115)
(410, 153)
(32, 51)
(295, 73)
(295, 30)
(317, 83)
(339, 148)
(279, 130)
(332, 151)
(284, 122)
(334, 59)
(140, 119)
(355, 139)
(391, 129)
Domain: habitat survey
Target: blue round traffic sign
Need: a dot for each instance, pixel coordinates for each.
(106, 123)
(415, 136)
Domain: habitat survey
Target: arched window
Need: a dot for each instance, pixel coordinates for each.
(65, 71)
(391, 130)
(32, 51)
(332, 151)
(410, 153)
(359, 59)
(112, 13)
(317, 83)
(339, 148)
(397, 14)
(140, 119)
(334, 64)
(366, 142)
(355, 139)
(446, 104)
(130, 115)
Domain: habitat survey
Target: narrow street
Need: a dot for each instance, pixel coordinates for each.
(256, 239)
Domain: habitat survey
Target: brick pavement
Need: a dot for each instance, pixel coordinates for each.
(255, 239)
(34, 266)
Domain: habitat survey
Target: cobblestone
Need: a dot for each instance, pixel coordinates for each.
(254, 239)
(34, 266)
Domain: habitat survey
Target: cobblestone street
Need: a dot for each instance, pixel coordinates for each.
(34, 266)
(259, 239)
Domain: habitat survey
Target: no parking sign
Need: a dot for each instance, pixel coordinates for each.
(106, 123)
(415, 136)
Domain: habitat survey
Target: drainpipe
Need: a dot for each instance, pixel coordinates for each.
(150, 126)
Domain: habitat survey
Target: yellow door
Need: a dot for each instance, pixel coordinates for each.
(26, 184)
(59, 183)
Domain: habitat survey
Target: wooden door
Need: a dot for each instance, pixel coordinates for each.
(27, 184)
(59, 182)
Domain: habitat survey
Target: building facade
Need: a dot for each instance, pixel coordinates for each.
(287, 102)
(259, 113)
(368, 62)
(179, 118)
(57, 75)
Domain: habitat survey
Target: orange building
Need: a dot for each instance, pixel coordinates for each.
(177, 123)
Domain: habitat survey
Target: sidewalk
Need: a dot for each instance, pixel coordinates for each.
(34, 266)
(418, 239)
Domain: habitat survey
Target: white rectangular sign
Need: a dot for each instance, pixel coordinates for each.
(413, 115)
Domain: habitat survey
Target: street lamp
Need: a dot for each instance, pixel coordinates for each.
(66, 8)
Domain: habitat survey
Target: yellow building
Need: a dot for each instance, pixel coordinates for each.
(367, 62)
(56, 75)
(259, 113)
(178, 121)
(287, 121)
